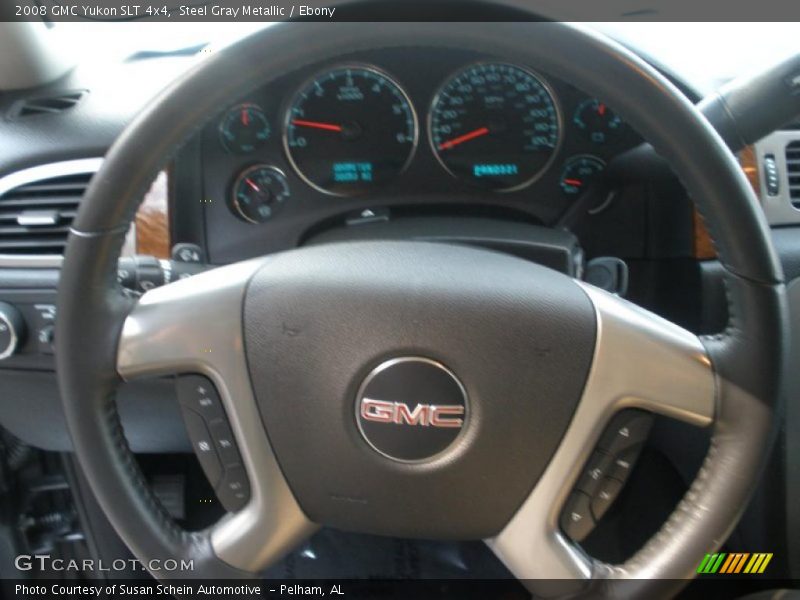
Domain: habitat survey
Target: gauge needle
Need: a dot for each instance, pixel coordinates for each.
(316, 125)
(601, 109)
(249, 182)
(245, 117)
(575, 182)
(463, 138)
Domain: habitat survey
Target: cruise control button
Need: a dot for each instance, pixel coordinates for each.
(606, 494)
(628, 428)
(593, 473)
(199, 394)
(624, 462)
(203, 445)
(234, 489)
(576, 520)
(224, 442)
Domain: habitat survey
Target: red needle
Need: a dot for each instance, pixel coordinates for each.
(601, 109)
(463, 138)
(252, 185)
(245, 117)
(316, 125)
(576, 182)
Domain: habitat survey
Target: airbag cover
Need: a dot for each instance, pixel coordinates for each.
(518, 336)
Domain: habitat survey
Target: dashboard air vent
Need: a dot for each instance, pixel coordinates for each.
(35, 217)
(793, 171)
(47, 105)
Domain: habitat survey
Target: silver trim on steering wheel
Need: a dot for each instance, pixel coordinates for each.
(195, 326)
(640, 361)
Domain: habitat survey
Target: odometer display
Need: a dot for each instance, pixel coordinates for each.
(496, 126)
(350, 130)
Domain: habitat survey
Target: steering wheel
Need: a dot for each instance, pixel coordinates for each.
(535, 363)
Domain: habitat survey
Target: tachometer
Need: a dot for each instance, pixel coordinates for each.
(496, 126)
(349, 130)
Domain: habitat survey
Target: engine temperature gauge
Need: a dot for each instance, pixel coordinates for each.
(579, 172)
(258, 192)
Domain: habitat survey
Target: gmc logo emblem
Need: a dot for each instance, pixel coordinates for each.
(425, 415)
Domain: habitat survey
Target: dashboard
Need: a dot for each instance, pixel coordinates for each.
(366, 137)
(414, 142)
(401, 132)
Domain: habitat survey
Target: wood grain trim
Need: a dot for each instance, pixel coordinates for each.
(749, 162)
(703, 246)
(152, 220)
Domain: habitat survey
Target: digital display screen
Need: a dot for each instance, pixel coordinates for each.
(348, 172)
(494, 170)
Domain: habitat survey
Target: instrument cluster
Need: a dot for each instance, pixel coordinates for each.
(404, 127)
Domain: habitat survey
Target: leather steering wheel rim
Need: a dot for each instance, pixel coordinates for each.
(747, 357)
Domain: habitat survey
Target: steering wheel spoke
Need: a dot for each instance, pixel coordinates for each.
(192, 325)
(644, 361)
(640, 361)
(195, 326)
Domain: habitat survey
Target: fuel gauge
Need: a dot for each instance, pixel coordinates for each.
(579, 172)
(597, 122)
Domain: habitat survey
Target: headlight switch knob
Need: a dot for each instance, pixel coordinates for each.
(12, 329)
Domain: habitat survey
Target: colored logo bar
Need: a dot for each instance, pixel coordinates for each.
(734, 562)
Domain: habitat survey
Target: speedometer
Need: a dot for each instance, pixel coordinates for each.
(349, 130)
(495, 125)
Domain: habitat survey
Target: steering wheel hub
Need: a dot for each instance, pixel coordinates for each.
(323, 329)
(411, 408)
